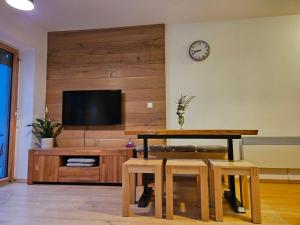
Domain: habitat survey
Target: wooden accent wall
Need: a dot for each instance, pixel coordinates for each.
(131, 59)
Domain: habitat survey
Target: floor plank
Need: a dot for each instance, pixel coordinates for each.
(21, 204)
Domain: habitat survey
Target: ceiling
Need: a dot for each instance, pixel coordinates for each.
(54, 15)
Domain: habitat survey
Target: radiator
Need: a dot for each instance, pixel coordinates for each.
(278, 157)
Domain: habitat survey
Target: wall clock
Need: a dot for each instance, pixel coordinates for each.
(199, 50)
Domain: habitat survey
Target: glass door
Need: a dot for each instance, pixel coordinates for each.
(6, 64)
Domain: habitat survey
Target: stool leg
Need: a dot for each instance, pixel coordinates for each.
(211, 186)
(198, 191)
(244, 186)
(218, 190)
(158, 191)
(203, 186)
(125, 191)
(169, 192)
(139, 179)
(255, 195)
(132, 177)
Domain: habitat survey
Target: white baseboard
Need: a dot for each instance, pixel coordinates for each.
(18, 180)
(283, 174)
(294, 174)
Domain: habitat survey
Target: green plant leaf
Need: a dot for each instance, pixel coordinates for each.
(44, 127)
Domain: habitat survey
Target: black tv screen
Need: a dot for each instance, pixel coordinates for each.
(99, 107)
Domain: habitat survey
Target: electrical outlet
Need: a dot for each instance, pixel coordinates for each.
(149, 105)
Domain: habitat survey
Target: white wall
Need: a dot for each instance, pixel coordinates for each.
(250, 80)
(31, 41)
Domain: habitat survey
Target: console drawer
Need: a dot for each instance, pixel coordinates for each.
(79, 174)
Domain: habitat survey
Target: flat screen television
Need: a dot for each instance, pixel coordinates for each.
(97, 107)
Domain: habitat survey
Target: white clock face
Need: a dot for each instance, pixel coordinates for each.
(199, 50)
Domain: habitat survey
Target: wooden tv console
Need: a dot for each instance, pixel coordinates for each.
(49, 165)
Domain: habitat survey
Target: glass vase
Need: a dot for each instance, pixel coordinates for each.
(181, 120)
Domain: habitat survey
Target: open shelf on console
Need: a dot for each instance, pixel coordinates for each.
(64, 160)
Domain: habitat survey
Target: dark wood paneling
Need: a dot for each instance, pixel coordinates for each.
(79, 174)
(129, 58)
(112, 169)
(45, 168)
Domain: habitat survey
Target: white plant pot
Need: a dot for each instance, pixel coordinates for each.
(47, 142)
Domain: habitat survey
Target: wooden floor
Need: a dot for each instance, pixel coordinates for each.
(21, 204)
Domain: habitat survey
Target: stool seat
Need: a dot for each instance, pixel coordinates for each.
(185, 162)
(188, 166)
(143, 162)
(231, 163)
(129, 170)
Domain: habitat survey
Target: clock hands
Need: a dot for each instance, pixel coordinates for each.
(197, 51)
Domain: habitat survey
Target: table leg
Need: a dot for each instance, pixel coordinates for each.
(231, 195)
(147, 193)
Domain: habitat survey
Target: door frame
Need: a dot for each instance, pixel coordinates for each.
(13, 112)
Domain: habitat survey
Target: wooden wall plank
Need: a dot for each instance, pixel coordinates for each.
(71, 39)
(70, 142)
(95, 134)
(131, 59)
(151, 57)
(136, 107)
(79, 71)
(55, 96)
(106, 83)
(100, 48)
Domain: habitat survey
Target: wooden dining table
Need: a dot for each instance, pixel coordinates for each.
(228, 135)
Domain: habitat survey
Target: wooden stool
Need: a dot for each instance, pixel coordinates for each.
(243, 169)
(129, 169)
(191, 167)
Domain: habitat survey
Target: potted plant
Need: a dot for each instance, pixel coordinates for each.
(46, 130)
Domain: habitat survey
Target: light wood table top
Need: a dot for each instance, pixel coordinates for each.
(191, 132)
